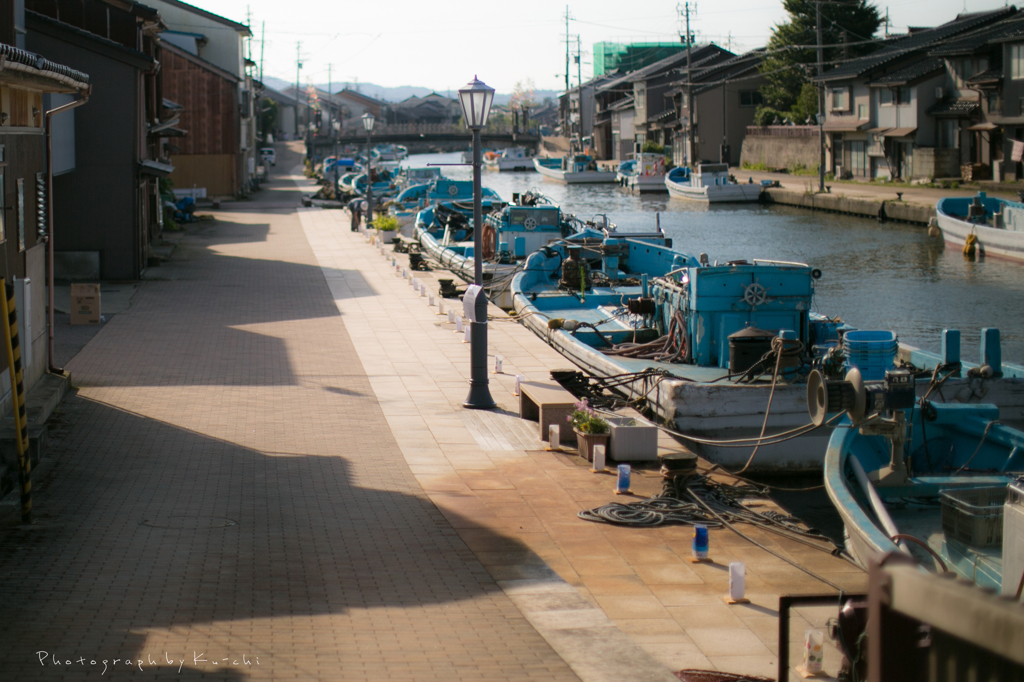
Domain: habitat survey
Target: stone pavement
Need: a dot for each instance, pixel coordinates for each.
(492, 468)
(228, 501)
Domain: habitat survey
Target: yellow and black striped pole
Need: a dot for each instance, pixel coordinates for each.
(10, 325)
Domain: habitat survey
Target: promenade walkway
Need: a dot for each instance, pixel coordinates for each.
(228, 500)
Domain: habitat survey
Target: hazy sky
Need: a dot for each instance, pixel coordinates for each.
(441, 44)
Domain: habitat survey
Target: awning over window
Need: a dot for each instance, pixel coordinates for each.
(900, 132)
(983, 126)
(844, 125)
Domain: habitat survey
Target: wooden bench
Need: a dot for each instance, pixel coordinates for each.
(547, 403)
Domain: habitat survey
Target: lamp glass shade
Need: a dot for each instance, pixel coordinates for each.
(476, 98)
(368, 122)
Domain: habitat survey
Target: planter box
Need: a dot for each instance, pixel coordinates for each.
(387, 236)
(632, 440)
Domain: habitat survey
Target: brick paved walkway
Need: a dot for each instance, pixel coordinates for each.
(228, 501)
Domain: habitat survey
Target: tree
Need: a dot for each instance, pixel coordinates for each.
(522, 94)
(792, 56)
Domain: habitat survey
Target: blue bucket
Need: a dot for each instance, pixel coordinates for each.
(872, 352)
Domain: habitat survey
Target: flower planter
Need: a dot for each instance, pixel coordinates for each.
(585, 443)
(632, 440)
(387, 236)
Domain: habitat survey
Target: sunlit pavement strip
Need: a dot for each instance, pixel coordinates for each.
(419, 371)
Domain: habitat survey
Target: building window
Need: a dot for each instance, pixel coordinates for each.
(839, 99)
(751, 98)
(858, 158)
(902, 95)
(1017, 61)
(885, 96)
(995, 104)
(862, 112)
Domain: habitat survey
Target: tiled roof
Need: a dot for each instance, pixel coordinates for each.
(986, 77)
(918, 41)
(979, 39)
(19, 56)
(960, 107)
(911, 72)
(624, 103)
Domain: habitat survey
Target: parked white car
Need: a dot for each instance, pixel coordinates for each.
(268, 154)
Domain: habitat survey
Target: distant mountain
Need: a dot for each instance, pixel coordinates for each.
(402, 92)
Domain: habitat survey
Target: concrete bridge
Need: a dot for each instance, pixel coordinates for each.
(430, 142)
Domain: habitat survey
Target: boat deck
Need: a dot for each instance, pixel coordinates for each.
(613, 601)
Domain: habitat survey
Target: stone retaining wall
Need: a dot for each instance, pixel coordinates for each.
(859, 206)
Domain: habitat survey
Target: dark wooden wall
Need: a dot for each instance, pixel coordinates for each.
(210, 115)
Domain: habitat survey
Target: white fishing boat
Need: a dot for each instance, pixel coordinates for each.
(994, 227)
(709, 183)
(648, 174)
(573, 169)
(510, 159)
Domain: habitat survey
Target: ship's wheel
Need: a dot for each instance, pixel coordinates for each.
(530, 223)
(453, 190)
(755, 294)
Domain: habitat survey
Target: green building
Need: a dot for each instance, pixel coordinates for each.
(628, 57)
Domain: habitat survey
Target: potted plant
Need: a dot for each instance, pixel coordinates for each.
(590, 429)
(386, 227)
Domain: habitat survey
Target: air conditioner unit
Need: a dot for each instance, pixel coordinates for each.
(940, 93)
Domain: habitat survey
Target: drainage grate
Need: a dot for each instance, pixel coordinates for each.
(190, 522)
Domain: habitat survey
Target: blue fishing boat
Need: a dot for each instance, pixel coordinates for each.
(986, 225)
(410, 177)
(411, 201)
(718, 350)
(923, 477)
(511, 232)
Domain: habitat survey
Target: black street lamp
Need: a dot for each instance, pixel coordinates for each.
(368, 125)
(476, 100)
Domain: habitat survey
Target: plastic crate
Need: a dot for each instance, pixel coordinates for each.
(974, 516)
(869, 340)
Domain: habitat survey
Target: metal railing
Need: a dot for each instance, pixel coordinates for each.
(783, 131)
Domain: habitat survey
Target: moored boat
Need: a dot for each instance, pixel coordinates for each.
(994, 227)
(923, 477)
(573, 169)
(510, 159)
(629, 305)
(647, 175)
(709, 183)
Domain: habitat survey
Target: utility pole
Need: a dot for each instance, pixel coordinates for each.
(298, 67)
(821, 104)
(263, 42)
(567, 50)
(691, 141)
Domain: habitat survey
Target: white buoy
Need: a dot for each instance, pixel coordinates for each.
(597, 466)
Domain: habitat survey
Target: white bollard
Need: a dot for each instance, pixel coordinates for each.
(423, 291)
(519, 379)
(404, 273)
(554, 437)
(737, 579)
(497, 364)
(466, 338)
(430, 300)
(451, 316)
(458, 324)
(440, 306)
(597, 466)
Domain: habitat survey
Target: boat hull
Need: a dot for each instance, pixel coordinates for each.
(714, 194)
(465, 268)
(992, 242)
(574, 178)
(644, 184)
(524, 164)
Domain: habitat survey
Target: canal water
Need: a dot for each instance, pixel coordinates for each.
(889, 276)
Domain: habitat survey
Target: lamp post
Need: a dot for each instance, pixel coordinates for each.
(476, 100)
(368, 125)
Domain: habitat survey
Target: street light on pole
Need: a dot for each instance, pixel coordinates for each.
(476, 100)
(368, 125)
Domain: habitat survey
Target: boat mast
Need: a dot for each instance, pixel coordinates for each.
(579, 94)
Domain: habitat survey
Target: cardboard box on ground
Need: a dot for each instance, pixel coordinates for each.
(85, 304)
